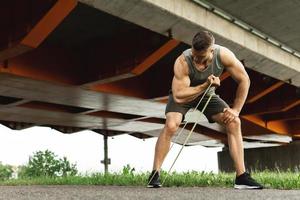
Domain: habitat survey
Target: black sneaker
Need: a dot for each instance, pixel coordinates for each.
(153, 180)
(245, 181)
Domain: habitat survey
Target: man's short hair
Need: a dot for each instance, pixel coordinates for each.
(202, 40)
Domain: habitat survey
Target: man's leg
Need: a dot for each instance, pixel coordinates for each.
(235, 141)
(173, 120)
(243, 179)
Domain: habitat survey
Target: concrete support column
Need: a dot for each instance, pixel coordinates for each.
(284, 158)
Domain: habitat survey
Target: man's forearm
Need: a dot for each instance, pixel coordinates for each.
(241, 95)
(190, 93)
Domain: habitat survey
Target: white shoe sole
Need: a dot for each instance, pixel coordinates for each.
(152, 186)
(245, 187)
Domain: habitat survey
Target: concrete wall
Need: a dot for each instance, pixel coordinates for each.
(280, 157)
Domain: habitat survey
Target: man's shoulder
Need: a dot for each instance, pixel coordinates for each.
(226, 55)
(181, 59)
(181, 63)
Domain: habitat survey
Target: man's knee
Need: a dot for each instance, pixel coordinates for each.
(235, 123)
(171, 127)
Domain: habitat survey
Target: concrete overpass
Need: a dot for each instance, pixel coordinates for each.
(106, 65)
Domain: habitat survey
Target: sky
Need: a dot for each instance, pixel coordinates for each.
(85, 149)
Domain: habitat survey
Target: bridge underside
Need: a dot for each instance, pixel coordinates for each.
(72, 67)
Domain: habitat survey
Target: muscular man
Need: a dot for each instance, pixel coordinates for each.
(194, 70)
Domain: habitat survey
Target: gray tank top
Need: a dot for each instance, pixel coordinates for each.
(199, 77)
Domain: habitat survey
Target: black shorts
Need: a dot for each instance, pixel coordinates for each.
(215, 106)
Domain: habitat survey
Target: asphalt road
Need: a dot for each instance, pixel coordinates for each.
(140, 193)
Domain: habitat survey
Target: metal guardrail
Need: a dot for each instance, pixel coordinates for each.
(212, 8)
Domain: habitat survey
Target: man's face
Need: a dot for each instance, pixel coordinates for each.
(203, 57)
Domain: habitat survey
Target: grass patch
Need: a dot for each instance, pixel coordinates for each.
(275, 180)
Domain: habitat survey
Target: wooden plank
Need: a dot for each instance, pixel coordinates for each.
(36, 90)
(29, 115)
(12, 52)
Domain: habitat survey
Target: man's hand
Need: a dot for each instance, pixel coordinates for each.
(229, 115)
(213, 80)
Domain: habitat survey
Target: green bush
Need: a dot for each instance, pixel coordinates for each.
(46, 164)
(5, 171)
(128, 170)
(66, 168)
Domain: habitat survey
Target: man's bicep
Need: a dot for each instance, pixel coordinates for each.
(181, 78)
(181, 83)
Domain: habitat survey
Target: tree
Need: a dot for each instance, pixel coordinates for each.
(46, 164)
(5, 171)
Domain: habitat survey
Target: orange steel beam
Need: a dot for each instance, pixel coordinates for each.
(43, 28)
(293, 114)
(278, 127)
(250, 129)
(49, 22)
(142, 67)
(156, 56)
(265, 92)
(255, 110)
(37, 65)
(291, 105)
